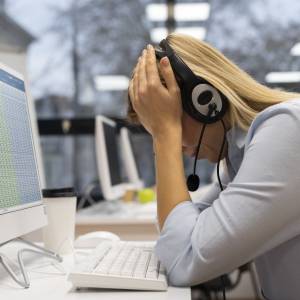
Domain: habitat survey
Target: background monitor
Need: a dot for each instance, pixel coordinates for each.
(129, 160)
(108, 159)
(21, 207)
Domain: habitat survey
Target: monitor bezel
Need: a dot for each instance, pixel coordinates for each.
(110, 192)
(129, 160)
(12, 209)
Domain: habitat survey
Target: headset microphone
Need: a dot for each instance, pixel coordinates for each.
(193, 180)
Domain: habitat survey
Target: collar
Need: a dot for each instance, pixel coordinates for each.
(236, 137)
(236, 143)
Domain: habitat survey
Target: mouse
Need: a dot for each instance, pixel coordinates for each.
(93, 239)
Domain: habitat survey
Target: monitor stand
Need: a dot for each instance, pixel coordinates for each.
(38, 250)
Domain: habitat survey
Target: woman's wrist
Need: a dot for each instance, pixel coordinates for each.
(172, 139)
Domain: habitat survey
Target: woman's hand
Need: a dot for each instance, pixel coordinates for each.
(158, 107)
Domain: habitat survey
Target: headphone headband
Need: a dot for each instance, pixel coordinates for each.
(179, 66)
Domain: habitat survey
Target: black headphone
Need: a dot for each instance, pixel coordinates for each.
(201, 100)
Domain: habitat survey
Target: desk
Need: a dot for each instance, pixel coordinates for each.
(130, 221)
(48, 282)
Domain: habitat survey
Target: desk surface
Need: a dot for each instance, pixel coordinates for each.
(48, 282)
(130, 221)
(118, 212)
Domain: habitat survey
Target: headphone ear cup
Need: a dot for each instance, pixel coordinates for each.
(203, 95)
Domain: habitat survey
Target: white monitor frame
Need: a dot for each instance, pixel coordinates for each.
(24, 218)
(129, 161)
(109, 191)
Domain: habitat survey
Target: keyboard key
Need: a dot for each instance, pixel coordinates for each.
(153, 267)
(105, 264)
(130, 262)
(95, 257)
(142, 264)
(120, 261)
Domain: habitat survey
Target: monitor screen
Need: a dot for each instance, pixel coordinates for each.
(19, 182)
(111, 141)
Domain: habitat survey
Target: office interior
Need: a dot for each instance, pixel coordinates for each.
(77, 58)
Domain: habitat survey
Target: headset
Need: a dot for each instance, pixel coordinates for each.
(200, 99)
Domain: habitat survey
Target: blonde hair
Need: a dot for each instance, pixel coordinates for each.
(246, 96)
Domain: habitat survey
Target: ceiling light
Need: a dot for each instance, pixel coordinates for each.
(295, 51)
(111, 82)
(157, 34)
(197, 32)
(283, 77)
(182, 12)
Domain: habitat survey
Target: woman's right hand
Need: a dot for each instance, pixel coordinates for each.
(158, 107)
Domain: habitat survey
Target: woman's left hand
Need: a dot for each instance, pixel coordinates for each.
(158, 107)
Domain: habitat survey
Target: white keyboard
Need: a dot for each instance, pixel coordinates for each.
(120, 265)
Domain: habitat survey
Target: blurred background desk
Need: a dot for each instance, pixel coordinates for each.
(130, 221)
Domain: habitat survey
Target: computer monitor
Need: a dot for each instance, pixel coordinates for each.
(129, 160)
(21, 206)
(108, 159)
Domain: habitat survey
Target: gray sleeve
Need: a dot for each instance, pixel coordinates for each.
(205, 196)
(196, 246)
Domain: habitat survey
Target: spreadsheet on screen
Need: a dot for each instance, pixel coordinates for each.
(19, 181)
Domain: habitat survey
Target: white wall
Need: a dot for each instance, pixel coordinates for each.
(16, 61)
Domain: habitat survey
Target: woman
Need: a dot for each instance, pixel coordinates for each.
(257, 216)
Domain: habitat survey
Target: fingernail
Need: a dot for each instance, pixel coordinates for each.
(149, 46)
(165, 61)
(144, 51)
